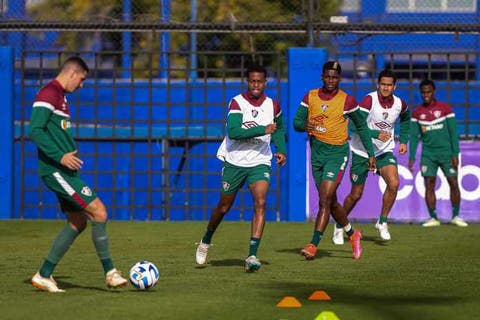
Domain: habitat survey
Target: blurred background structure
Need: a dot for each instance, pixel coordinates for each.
(153, 110)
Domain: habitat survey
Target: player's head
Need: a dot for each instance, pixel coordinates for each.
(72, 73)
(387, 82)
(331, 75)
(427, 91)
(256, 80)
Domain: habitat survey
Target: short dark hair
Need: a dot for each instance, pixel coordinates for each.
(387, 73)
(77, 62)
(427, 82)
(256, 68)
(332, 65)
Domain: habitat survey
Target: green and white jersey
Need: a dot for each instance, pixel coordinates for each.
(50, 128)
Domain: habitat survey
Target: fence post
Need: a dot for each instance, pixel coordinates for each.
(304, 73)
(6, 132)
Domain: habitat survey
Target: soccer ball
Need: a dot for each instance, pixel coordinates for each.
(144, 275)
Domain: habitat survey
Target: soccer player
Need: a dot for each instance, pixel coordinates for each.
(382, 109)
(254, 121)
(323, 114)
(50, 130)
(435, 123)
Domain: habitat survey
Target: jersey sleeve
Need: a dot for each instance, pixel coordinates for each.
(301, 115)
(452, 128)
(235, 130)
(414, 136)
(37, 131)
(405, 122)
(278, 137)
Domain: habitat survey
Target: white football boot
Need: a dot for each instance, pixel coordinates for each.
(383, 230)
(337, 235)
(459, 222)
(45, 284)
(113, 279)
(202, 251)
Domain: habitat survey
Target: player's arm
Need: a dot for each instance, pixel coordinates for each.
(301, 116)
(236, 131)
(278, 137)
(414, 137)
(405, 122)
(362, 129)
(452, 128)
(37, 132)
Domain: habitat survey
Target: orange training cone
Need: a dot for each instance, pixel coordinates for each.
(289, 302)
(319, 295)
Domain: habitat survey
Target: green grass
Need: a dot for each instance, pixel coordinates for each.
(421, 274)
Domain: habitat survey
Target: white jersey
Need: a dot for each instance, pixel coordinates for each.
(253, 151)
(379, 118)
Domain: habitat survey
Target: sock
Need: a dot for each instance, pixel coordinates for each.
(207, 238)
(382, 219)
(348, 229)
(455, 211)
(100, 240)
(254, 243)
(433, 213)
(317, 236)
(59, 247)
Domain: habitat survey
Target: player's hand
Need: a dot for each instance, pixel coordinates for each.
(270, 128)
(281, 158)
(71, 161)
(384, 136)
(372, 164)
(410, 165)
(454, 162)
(310, 127)
(402, 148)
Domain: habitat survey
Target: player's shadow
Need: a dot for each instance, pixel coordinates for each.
(321, 253)
(232, 263)
(375, 239)
(65, 285)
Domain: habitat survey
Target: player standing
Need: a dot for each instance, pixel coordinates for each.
(435, 122)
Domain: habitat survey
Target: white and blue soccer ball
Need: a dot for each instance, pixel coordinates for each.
(144, 275)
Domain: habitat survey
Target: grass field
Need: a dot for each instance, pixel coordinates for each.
(421, 274)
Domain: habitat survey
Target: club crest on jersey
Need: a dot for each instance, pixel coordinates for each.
(385, 115)
(86, 191)
(65, 124)
(437, 113)
(254, 113)
(423, 116)
(324, 107)
(225, 186)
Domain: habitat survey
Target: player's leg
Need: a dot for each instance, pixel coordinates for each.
(76, 223)
(389, 173)
(455, 197)
(233, 178)
(258, 181)
(429, 172)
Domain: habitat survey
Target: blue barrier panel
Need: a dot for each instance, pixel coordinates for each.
(6, 132)
(304, 73)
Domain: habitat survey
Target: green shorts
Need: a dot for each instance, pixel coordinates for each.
(429, 165)
(328, 161)
(72, 193)
(359, 167)
(234, 177)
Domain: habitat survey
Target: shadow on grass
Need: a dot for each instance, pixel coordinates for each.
(232, 263)
(320, 253)
(62, 284)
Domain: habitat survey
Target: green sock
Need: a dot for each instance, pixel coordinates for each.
(382, 219)
(100, 240)
(433, 213)
(59, 247)
(207, 238)
(254, 243)
(455, 211)
(317, 236)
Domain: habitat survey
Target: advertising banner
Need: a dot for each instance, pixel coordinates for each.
(410, 204)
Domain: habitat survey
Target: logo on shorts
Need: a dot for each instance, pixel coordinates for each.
(254, 113)
(392, 161)
(86, 191)
(330, 174)
(225, 186)
(452, 170)
(266, 175)
(354, 177)
(424, 169)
